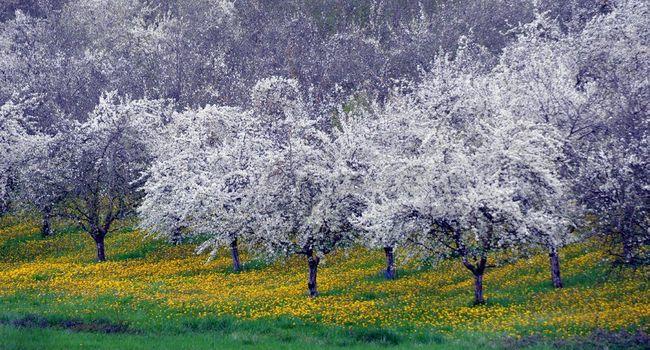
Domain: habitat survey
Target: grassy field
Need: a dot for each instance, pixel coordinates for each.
(152, 295)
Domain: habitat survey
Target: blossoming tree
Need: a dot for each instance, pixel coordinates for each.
(99, 163)
(472, 161)
(613, 174)
(12, 134)
(384, 151)
(304, 201)
(535, 80)
(203, 178)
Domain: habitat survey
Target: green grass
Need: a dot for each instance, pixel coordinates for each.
(38, 338)
(32, 317)
(272, 335)
(58, 331)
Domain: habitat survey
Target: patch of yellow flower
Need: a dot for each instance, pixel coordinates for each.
(181, 283)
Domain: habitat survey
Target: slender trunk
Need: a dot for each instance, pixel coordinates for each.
(176, 236)
(4, 207)
(5, 203)
(390, 263)
(46, 227)
(478, 270)
(236, 266)
(101, 255)
(555, 267)
(628, 249)
(478, 290)
(313, 261)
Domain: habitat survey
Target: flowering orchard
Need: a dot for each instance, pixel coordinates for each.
(479, 154)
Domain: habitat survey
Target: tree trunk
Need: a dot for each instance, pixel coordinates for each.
(236, 266)
(101, 255)
(555, 267)
(313, 261)
(478, 289)
(5, 203)
(478, 270)
(4, 206)
(629, 249)
(390, 263)
(176, 236)
(46, 227)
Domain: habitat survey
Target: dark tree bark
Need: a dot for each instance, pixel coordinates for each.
(313, 261)
(101, 254)
(5, 203)
(4, 207)
(629, 248)
(478, 289)
(46, 227)
(236, 265)
(390, 272)
(176, 236)
(478, 269)
(554, 260)
(91, 220)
